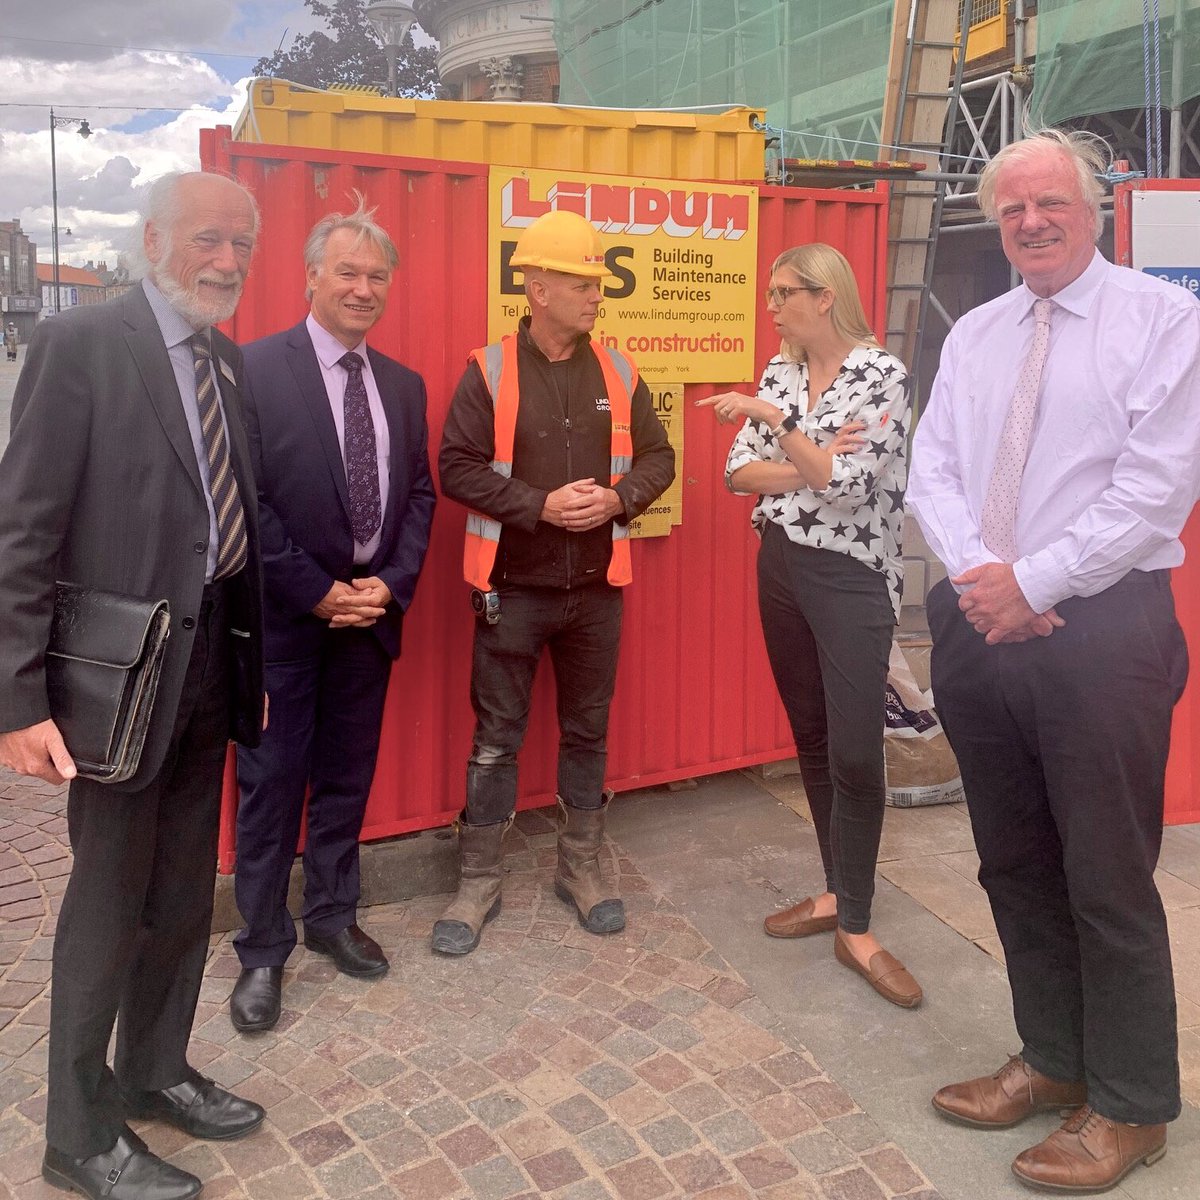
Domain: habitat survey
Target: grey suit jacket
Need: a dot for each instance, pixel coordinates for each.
(99, 486)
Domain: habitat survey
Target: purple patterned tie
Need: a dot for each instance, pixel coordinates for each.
(998, 523)
(362, 465)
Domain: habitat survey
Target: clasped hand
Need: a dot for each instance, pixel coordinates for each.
(997, 608)
(357, 604)
(581, 505)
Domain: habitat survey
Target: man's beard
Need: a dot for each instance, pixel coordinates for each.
(194, 308)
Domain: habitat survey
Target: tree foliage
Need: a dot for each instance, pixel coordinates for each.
(351, 53)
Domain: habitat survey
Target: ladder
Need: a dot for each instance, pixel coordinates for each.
(924, 56)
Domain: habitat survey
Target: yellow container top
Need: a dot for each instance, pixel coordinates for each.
(721, 145)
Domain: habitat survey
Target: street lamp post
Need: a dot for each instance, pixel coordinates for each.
(393, 19)
(85, 131)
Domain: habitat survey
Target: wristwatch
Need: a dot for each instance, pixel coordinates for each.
(785, 426)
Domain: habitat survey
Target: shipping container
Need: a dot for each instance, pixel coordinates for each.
(694, 693)
(727, 144)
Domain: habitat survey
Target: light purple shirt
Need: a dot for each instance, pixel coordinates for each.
(329, 351)
(1114, 458)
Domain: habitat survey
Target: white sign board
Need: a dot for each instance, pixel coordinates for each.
(1166, 236)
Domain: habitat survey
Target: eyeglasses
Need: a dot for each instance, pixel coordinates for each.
(779, 295)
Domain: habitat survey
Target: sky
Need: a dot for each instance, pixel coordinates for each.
(147, 75)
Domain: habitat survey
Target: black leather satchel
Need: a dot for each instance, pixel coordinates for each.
(102, 668)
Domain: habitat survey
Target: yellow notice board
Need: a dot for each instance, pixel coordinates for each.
(681, 297)
(667, 510)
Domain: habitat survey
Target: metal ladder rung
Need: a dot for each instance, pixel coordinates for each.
(935, 45)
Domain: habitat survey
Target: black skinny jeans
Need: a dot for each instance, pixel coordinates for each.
(828, 621)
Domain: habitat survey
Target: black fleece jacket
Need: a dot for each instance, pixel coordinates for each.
(564, 433)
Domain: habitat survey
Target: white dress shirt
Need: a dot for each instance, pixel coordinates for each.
(1114, 458)
(329, 353)
(861, 512)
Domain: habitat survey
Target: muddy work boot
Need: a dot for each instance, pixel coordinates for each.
(480, 851)
(577, 881)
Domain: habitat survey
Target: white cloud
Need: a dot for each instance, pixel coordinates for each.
(134, 70)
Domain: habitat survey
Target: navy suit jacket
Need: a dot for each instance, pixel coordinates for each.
(304, 506)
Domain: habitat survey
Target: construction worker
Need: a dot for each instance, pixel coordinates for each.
(553, 444)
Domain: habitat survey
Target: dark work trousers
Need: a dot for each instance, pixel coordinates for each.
(133, 931)
(582, 627)
(1062, 742)
(827, 620)
(323, 737)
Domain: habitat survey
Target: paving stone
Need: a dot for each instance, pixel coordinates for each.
(606, 1080)
(732, 1132)
(497, 1109)
(429, 1181)
(496, 1179)
(608, 1144)
(820, 1152)
(554, 1170)
(641, 1179)
(439, 1116)
(698, 1171)
(373, 1120)
(668, 1135)
(287, 1183)
(855, 1184)
(577, 1113)
(349, 1177)
(321, 1143)
(698, 1100)
(630, 1047)
(675, 1034)
(468, 1146)
(894, 1169)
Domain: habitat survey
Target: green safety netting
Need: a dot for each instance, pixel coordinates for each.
(817, 66)
(1092, 56)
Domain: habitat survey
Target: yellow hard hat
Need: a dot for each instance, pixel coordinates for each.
(561, 241)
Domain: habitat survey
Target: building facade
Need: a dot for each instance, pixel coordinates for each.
(20, 293)
(494, 49)
(75, 286)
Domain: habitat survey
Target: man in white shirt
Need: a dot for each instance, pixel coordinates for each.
(345, 498)
(1053, 472)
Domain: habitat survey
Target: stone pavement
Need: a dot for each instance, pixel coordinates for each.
(549, 1062)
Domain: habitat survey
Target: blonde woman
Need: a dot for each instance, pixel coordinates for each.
(823, 446)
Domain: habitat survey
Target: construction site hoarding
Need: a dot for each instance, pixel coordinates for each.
(694, 692)
(725, 144)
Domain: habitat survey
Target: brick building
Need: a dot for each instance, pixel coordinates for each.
(75, 286)
(20, 296)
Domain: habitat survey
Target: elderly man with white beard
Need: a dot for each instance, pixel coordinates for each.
(128, 471)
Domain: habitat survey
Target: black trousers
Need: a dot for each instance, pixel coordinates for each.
(133, 931)
(828, 621)
(1063, 742)
(582, 627)
(323, 738)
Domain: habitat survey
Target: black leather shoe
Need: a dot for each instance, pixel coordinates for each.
(353, 952)
(254, 1004)
(126, 1172)
(199, 1107)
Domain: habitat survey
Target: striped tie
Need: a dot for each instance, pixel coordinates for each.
(222, 486)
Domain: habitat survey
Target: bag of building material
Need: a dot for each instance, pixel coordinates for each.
(921, 767)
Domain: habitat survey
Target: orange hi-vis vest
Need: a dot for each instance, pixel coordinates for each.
(498, 362)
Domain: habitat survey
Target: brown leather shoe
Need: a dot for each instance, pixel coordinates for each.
(1089, 1153)
(798, 921)
(885, 973)
(1008, 1097)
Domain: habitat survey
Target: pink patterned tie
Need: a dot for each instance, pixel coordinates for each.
(999, 520)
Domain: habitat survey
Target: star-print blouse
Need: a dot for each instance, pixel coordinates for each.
(861, 512)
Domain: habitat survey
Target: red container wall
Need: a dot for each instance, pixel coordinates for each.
(1182, 799)
(694, 690)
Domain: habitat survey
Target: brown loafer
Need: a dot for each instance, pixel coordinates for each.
(1006, 1098)
(1089, 1153)
(798, 921)
(885, 973)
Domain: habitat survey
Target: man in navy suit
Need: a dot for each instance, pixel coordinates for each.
(339, 444)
